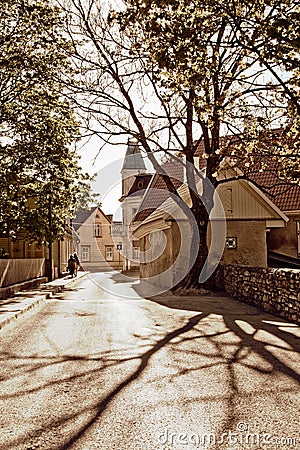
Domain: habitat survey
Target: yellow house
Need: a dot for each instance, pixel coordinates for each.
(239, 225)
(97, 247)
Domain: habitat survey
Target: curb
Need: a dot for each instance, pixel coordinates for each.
(9, 291)
(15, 309)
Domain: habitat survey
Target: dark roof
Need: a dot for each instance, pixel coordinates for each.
(285, 195)
(157, 191)
(133, 158)
(81, 216)
(140, 184)
(279, 260)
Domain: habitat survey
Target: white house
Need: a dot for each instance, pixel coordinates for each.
(133, 167)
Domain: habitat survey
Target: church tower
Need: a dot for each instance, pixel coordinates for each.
(133, 165)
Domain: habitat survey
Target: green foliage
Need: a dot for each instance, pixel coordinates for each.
(174, 74)
(38, 167)
(85, 197)
(235, 66)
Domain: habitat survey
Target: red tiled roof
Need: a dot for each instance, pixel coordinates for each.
(140, 184)
(286, 196)
(175, 169)
(157, 191)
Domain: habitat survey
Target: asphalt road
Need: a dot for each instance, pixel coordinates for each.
(93, 370)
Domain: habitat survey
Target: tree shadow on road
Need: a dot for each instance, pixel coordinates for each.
(252, 333)
(144, 361)
(262, 343)
(108, 360)
(233, 333)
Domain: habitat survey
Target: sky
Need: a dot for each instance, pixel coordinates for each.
(106, 167)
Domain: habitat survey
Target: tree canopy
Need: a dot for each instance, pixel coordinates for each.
(171, 73)
(235, 64)
(174, 74)
(39, 168)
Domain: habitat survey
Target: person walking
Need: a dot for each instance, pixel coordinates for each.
(71, 266)
(77, 262)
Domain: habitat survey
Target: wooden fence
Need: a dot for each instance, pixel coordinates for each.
(14, 271)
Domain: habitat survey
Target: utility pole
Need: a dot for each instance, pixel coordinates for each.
(50, 275)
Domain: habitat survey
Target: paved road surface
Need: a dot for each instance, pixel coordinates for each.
(90, 370)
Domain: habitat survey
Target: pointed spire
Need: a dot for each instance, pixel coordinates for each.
(133, 158)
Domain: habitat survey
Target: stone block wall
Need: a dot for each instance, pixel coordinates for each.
(276, 291)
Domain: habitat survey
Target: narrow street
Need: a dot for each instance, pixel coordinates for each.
(92, 370)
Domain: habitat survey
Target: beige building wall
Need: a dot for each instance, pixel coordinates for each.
(250, 239)
(249, 214)
(286, 240)
(97, 249)
(162, 261)
(105, 243)
(88, 251)
(157, 257)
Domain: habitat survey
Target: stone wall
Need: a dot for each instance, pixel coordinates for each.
(276, 291)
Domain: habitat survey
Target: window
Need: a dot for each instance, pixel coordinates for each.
(108, 253)
(136, 252)
(85, 253)
(228, 200)
(98, 230)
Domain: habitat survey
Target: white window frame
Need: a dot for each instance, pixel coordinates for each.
(108, 253)
(85, 253)
(136, 252)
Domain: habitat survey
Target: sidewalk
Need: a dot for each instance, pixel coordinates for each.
(23, 301)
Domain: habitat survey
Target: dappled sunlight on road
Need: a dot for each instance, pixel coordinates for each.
(90, 370)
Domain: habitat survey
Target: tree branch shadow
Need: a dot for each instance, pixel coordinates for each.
(204, 310)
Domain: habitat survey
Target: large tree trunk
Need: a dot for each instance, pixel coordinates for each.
(199, 242)
(191, 279)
